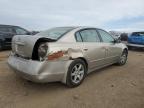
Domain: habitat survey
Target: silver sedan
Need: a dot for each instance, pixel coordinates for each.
(65, 54)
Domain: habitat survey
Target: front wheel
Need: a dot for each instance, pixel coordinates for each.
(123, 58)
(130, 47)
(76, 73)
(0, 45)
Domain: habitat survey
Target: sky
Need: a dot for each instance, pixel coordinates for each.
(121, 15)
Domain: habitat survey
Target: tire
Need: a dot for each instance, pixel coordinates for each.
(130, 47)
(0, 45)
(123, 58)
(76, 73)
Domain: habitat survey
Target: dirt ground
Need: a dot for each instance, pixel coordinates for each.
(112, 87)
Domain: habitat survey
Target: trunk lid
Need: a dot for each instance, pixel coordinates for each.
(22, 45)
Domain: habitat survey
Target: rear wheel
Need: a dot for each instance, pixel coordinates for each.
(130, 47)
(123, 58)
(76, 73)
(0, 45)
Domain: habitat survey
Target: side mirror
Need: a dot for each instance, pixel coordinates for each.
(34, 32)
(117, 40)
(29, 33)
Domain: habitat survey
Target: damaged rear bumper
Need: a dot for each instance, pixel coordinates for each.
(47, 71)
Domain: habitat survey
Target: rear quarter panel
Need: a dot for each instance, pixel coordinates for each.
(71, 50)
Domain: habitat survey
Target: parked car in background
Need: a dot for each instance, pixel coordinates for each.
(7, 32)
(136, 39)
(115, 34)
(65, 54)
(124, 36)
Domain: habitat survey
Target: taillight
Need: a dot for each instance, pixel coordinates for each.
(56, 55)
(42, 51)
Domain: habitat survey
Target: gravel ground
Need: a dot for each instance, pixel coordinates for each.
(112, 87)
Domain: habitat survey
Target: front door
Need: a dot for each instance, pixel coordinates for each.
(112, 49)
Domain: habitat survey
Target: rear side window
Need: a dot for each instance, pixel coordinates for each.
(89, 35)
(106, 37)
(78, 37)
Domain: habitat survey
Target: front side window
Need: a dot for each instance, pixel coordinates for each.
(55, 33)
(89, 35)
(20, 31)
(106, 37)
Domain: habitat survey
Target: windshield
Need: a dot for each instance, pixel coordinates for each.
(138, 34)
(55, 33)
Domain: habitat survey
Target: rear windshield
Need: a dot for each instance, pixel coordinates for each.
(138, 34)
(55, 33)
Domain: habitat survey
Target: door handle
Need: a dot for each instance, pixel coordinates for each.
(105, 48)
(85, 49)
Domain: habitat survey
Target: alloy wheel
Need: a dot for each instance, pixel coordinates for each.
(77, 73)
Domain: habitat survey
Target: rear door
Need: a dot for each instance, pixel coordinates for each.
(93, 49)
(113, 50)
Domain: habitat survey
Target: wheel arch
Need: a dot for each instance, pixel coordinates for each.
(34, 52)
(125, 49)
(85, 61)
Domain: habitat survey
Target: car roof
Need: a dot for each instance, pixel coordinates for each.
(138, 32)
(77, 27)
